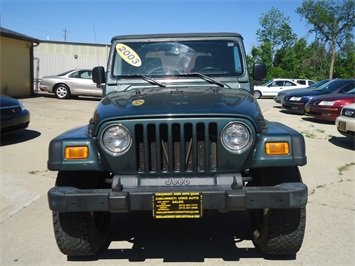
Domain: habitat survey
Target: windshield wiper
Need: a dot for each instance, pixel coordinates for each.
(146, 78)
(207, 78)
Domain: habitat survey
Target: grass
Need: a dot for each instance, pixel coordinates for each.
(308, 134)
(32, 172)
(345, 167)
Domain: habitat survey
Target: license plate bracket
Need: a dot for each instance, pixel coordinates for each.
(177, 205)
(342, 126)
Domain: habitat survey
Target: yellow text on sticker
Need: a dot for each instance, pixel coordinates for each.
(128, 55)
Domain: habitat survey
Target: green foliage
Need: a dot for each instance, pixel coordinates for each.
(345, 62)
(275, 33)
(331, 55)
(332, 21)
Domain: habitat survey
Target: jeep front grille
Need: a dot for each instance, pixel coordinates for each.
(176, 147)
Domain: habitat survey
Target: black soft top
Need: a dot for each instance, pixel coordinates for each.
(170, 36)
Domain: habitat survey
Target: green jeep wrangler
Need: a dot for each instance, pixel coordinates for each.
(178, 133)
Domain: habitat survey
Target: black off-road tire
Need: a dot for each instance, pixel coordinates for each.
(277, 231)
(81, 233)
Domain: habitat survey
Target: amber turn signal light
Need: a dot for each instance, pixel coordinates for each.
(277, 148)
(78, 152)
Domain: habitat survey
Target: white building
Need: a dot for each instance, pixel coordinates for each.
(52, 57)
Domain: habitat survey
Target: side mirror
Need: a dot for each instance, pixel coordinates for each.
(98, 75)
(259, 71)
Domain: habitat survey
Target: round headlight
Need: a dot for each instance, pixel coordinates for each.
(236, 137)
(116, 139)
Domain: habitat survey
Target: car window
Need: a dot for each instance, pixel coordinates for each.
(352, 91)
(277, 83)
(74, 75)
(83, 74)
(266, 84)
(302, 82)
(289, 83)
(346, 88)
(319, 84)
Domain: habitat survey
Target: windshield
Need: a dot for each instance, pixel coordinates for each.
(66, 72)
(267, 83)
(175, 58)
(331, 86)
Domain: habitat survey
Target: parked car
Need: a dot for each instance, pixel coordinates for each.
(283, 93)
(306, 82)
(76, 82)
(327, 107)
(273, 87)
(295, 102)
(345, 123)
(14, 115)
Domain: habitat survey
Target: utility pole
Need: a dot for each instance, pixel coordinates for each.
(65, 34)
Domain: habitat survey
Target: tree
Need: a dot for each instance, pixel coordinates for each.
(316, 60)
(276, 32)
(333, 23)
(345, 62)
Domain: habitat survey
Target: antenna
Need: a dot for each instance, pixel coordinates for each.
(97, 54)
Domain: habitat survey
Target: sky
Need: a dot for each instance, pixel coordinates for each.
(88, 21)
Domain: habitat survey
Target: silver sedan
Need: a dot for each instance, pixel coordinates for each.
(76, 82)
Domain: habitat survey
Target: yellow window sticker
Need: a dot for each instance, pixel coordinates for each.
(137, 102)
(128, 55)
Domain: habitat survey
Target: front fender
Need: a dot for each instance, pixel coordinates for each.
(277, 132)
(74, 137)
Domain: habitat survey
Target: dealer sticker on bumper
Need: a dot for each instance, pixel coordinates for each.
(177, 205)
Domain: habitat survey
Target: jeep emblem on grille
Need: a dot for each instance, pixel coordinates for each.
(177, 182)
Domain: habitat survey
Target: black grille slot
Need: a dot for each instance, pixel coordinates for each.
(176, 147)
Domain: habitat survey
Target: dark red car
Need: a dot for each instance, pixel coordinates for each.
(327, 107)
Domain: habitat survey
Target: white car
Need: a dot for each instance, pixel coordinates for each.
(306, 82)
(274, 86)
(345, 123)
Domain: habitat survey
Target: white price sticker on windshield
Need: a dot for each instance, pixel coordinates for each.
(128, 55)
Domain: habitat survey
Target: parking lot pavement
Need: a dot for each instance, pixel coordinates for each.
(223, 239)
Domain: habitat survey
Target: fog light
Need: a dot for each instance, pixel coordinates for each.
(78, 152)
(277, 148)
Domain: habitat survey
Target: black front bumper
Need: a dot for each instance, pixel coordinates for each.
(282, 196)
(293, 107)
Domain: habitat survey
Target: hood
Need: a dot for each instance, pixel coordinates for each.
(6, 101)
(180, 102)
(306, 92)
(334, 97)
(289, 91)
